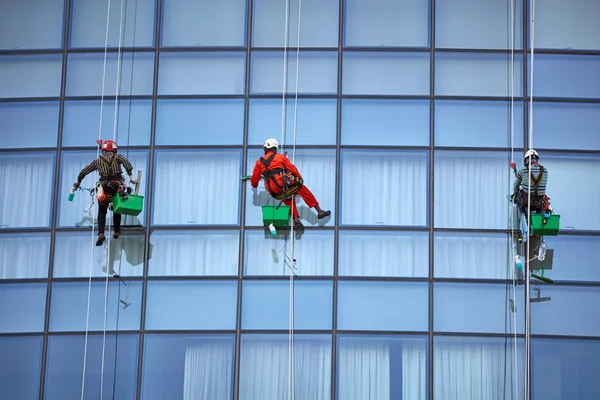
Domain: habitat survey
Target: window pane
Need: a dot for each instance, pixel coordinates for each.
(472, 255)
(214, 170)
(20, 366)
(69, 300)
(188, 23)
(390, 23)
(31, 24)
(317, 72)
(316, 120)
(571, 76)
(477, 74)
(64, 366)
(22, 307)
(194, 253)
(30, 75)
(188, 367)
(575, 258)
(88, 24)
(559, 317)
(85, 72)
(166, 305)
(478, 368)
(383, 253)
(476, 308)
(471, 189)
(81, 212)
(572, 25)
(269, 256)
(565, 369)
(24, 255)
(387, 367)
(465, 123)
(29, 124)
(317, 167)
(397, 73)
(472, 24)
(572, 126)
(383, 306)
(385, 122)
(404, 174)
(82, 118)
(265, 366)
(319, 23)
(266, 304)
(125, 257)
(200, 122)
(25, 177)
(208, 73)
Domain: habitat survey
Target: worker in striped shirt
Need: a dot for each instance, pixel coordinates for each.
(111, 183)
(530, 182)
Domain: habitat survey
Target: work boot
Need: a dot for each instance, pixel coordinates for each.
(298, 225)
(323, 214)
(116, 234)
(101, 239)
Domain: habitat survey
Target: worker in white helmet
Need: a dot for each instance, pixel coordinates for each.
(530, 182)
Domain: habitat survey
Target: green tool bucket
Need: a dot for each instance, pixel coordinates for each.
(542, 226)
(276, 215)
(133, 205)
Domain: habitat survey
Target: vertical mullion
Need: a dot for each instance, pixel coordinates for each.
(431, 219)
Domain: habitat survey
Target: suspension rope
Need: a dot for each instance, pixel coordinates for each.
(286, 29)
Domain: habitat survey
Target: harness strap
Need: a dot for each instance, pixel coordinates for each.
(536, 180)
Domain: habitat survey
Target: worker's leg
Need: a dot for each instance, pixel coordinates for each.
(117, 224)
(312, 202)
(292, 204)
(102, 209)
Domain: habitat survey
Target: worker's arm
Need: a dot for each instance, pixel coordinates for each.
(518, 179)
(125, 163)
(256, 174)
(290, 167)
(91, 167)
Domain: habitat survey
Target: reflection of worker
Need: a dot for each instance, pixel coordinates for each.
(283, 180)
(531, 180)
(111, 182)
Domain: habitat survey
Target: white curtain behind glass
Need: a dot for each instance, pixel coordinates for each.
(24, 256)
(26, 190)
(208, 372)
(384, 188)
(197, 187)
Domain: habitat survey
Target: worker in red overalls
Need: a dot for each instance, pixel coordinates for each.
(283, 181)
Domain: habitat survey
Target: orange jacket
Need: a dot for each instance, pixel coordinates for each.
(279, 161)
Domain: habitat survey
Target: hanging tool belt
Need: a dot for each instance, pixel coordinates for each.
(289, 186)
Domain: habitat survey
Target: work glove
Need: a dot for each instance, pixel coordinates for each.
(132, 180)
(513, 198)
(513, 165)
(76, 186)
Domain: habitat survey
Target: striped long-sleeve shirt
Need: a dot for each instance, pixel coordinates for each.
(108, 166)
(527, 178)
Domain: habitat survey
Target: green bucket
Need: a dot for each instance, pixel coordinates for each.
(545, 226)
(276, 215)
(133, 205)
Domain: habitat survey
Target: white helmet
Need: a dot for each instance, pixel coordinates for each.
(270, 143)
(530, 153)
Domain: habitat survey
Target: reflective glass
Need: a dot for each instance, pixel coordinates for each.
(204, 23)
(377, 122)
(27, 181)
(199, 122)
(127, 21)
(188, 367)
(64, 366)
(125, 257)
(317, 72)
(319, 23)
(184, 305)
(29, 124)
(564, 369)
(471, 189)
(477, 74)
(24, 255)
(317, 167)
(473, 24)
(569, 126)
(574, 258)
(569, 76)
(20, 366)
(32, 24)
(69, 302)
(265, 363)
(385, 73)
(388, 176)
(194, 253)
(207, 73)
(266, 304)
(476, 308)
(315, 120)
(30, 75)
(382, 367)
(186, 175)
(383, 306)
(383, 253)
(85, 73)
(467, 123)
(22, 307)
(393, 23)
(82, 119)
(81, 212)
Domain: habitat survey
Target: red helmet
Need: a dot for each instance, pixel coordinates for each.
(109, 145)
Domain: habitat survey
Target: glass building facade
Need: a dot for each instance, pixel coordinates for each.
(398, 115)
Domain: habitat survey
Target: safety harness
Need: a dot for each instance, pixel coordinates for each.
(290, 183)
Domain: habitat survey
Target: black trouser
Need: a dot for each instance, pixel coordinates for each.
(110, 190)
